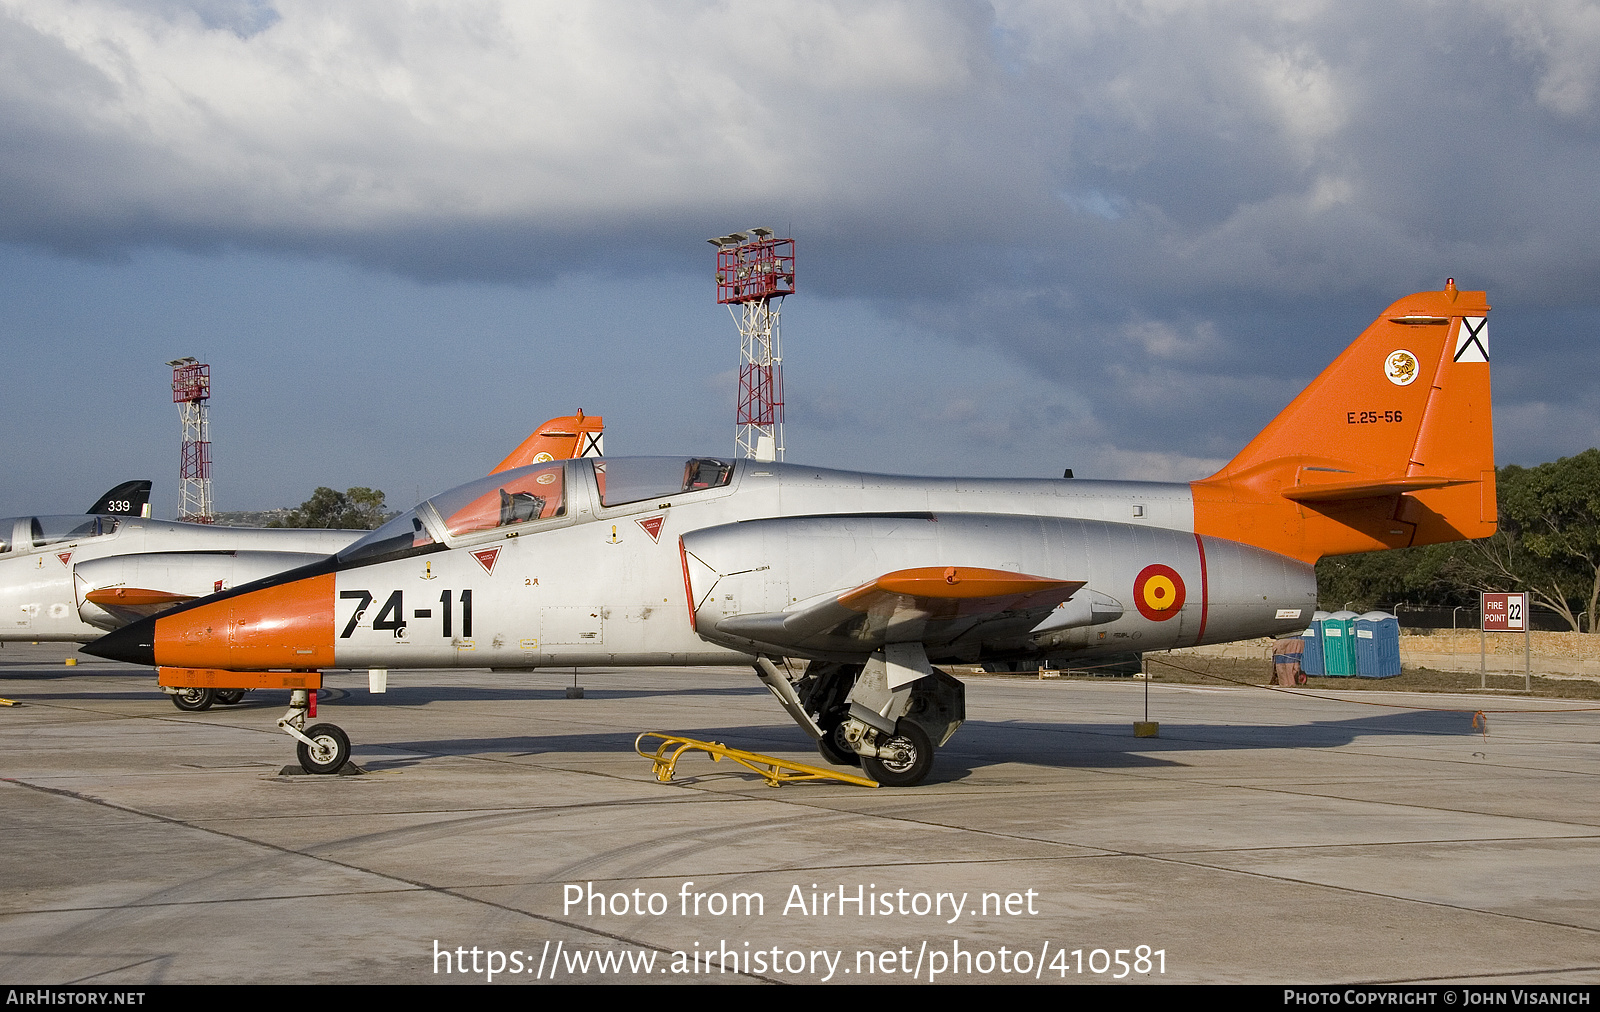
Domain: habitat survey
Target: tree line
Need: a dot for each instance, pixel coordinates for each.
(355, 509)
(1548, 545)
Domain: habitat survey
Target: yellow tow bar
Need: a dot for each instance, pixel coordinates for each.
(776, 772)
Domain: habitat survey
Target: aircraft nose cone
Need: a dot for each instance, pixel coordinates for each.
(288, 625)
(133, 643)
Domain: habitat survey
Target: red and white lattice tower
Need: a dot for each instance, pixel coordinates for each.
(754, 272)
(191, 390)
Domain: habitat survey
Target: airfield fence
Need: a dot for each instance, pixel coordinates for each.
(1559, 654)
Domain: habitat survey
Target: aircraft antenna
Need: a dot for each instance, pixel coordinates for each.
(755, 270)
(191, 391)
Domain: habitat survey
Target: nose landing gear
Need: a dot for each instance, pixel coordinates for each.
(321, 748)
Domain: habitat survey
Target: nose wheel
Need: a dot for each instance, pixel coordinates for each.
(328, 751)
(321, 748)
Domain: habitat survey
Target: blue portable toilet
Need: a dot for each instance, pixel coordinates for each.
(1338, 649)
(1311, 660)
(1377, 645)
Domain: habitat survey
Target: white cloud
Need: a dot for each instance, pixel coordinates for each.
(1154, 207)
(372, 114)
(1564, 36)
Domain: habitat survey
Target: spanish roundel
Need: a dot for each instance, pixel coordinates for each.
(1158, 592)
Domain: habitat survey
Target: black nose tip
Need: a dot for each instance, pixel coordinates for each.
(134, 644)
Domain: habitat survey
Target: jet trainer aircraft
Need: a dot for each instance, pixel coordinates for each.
(874, 579)
(72, 578)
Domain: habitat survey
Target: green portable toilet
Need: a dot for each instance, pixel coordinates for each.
(1338, 645)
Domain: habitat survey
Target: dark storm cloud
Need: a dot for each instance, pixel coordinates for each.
(1156, 207)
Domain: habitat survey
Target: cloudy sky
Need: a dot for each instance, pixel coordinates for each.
(1116, 237)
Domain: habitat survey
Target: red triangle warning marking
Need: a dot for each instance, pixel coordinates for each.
(66, 558)
(652, 527)
(486, 557)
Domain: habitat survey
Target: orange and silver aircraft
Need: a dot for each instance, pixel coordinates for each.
(73, 578)
(873, 579)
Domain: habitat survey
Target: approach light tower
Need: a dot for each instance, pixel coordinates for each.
(754, 272)
(191, 390)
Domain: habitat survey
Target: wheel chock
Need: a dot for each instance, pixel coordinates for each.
(349, 769)
(776, 772)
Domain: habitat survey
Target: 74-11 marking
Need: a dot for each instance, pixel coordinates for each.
(392, 616)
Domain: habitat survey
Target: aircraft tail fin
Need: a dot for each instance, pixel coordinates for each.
(576, 435)
(1392, 445)
(130, 499)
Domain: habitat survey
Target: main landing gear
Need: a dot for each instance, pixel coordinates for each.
(903, 759)
(193, 698)
(887, 716)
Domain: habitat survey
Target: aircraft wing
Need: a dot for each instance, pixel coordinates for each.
(932, 605)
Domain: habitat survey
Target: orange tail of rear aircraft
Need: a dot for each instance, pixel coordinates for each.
(1391, 446)
(576, 435)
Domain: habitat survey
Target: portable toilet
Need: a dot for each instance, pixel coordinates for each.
(1338, 650)
(1377, 645)
(1311, 660)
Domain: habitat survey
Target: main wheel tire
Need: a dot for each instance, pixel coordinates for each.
(192, 699)
(332, 749)
(228, 697)
(832, 746)
(911, 760)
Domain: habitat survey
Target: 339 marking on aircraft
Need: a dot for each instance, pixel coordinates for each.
(1158, 592)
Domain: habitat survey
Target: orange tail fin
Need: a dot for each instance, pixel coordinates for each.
(576, 435)
(1392, 445)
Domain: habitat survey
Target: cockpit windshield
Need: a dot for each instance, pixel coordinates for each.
(518, 496)
(624, 480)
(36, 532)
(525, 495)
(405, 534)
(508, 499)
